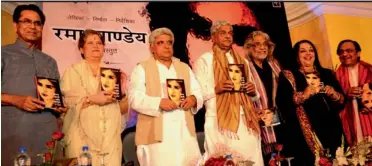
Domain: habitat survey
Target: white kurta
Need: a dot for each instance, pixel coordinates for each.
(353, 79)
(98, 127)
(248, 145)
(178, 147)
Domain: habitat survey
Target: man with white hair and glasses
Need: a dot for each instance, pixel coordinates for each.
(230, 118)
(165, 132)
(265, 70)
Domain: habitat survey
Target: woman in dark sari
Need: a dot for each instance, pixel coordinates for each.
(310, 107)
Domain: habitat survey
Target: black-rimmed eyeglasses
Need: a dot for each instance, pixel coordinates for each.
(28, 22)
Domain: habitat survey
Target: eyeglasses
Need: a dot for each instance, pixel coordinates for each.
(257, 44)
(28, 22)
(340, 52)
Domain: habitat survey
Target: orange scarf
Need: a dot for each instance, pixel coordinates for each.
(228, 103)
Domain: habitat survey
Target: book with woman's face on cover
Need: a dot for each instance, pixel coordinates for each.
(49, 92)
(313, 80)
(111, 81)
(176, 90)
(237, 76)
(269, 117)
(365, 100)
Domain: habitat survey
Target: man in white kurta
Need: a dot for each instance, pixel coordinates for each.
(247, 143)
(177, 147)
(352, 74)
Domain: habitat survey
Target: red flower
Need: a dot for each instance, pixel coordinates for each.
(57, 135)
(210, 161)
(278, 147)
(328, 164)
(323, 161)
(50, 144)
(220, 161)
(48, 157)
(279, 157)
(272, 163)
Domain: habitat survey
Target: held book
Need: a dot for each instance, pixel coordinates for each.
(111, 81)
(176, 90)
(48, 91)
(237, 76)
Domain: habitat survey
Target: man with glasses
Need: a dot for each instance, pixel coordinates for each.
(24, 121)
(265, 70)
(352, 74)
(230, 118)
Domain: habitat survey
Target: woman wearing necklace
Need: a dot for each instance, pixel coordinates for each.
(94, 119)
(310, 112)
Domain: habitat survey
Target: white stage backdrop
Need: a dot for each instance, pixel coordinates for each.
(124, 25)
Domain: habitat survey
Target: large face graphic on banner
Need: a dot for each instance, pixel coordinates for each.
(237, 13)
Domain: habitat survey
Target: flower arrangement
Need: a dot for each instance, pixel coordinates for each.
(48, 157)
(357, 154)
(215, 161)
(276, 158)
(218, 158)
(325, 160)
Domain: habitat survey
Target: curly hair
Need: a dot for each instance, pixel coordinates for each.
(249, 43)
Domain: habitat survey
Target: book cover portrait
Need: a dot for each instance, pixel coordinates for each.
(110, 81)
(237, 75)
(48, 90)
(176, 90)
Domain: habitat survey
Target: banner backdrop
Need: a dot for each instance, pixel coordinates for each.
(124, 26)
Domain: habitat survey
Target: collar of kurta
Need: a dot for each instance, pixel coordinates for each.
(24, 46)
(153, 76)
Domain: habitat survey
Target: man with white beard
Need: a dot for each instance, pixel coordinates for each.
(265, 70)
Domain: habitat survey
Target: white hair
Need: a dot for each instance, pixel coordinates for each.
(249, 41)
(160, 31)
(217, 25)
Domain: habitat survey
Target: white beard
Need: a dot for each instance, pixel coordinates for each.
(260, 56)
